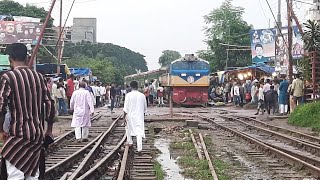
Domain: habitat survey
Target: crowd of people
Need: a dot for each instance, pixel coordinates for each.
(101, 94)
(151, 94)
(27, 100)
(271, 95)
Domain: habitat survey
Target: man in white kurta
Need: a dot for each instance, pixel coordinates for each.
(135, 105)
(82, 106)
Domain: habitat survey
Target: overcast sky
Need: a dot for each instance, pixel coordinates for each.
(150, 26)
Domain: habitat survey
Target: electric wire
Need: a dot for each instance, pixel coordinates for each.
(279, 28)
(263, 12)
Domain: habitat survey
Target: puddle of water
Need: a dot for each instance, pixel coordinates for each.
(169, 165)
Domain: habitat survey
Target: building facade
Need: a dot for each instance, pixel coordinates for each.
(84, 29)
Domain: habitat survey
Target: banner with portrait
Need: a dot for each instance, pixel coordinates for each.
(262, 45)
(282, 59)
(19, 32)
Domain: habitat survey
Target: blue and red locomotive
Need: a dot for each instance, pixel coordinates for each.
(189, 80)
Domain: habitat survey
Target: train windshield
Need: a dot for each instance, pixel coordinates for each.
(180, 65)
(190, 65)
(199, 65)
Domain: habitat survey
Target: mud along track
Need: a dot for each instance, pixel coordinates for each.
(268, 148)
(107, 146)
(70, 153)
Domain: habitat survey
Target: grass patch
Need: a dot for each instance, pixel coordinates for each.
(220, 168)
(159, 171)
(193, 167)
(306, 115)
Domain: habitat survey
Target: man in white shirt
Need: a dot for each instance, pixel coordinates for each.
(54, 93)
(260, 100)
(236, 94)
(266, 87)
(103, 92)
(135, 106)
(76, 83)
(81, 103)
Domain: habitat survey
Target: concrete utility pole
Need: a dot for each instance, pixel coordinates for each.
(59, 39)
(279, 23)
(290, 59)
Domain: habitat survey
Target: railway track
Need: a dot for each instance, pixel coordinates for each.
(104, 155)
(296, 146)
(63, 140)
(67, 153)
(201, 149)
(271, 143)
(136, 166)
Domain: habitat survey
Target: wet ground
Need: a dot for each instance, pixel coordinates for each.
(168, 162)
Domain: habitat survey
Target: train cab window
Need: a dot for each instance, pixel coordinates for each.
(199, 65)
(180, 65)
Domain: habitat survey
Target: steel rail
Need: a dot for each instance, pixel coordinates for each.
(55, 170)
(205, 151)
(54, 147)
(195, 145)
(123, 166)
(98, 170)
(204, 147)
(308, 146)
(269, 149)
(280, 129)
(88, 160)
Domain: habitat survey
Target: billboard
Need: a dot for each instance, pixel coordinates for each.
(263, 45)
(26, 19)
(282, 47)
(21, 32)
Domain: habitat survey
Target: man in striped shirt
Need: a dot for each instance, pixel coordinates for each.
(25, 92)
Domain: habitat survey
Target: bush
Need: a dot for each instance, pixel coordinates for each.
(306, 115)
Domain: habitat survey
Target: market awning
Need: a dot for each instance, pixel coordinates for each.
(80, 71)
(265, 68)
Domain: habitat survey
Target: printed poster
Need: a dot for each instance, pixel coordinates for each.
(263, 45)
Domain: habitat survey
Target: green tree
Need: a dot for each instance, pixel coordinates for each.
(311, 36)
(168, 56)
(124, 61)
(226, 25)
(118, 55)
(311, 39)
(102, 68)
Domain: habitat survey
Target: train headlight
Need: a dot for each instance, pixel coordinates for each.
(198, 74)
(183, 74)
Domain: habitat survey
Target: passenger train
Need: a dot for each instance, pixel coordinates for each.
(187, 78)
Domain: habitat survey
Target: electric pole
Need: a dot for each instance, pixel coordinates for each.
(60, 41)
(279, 23)
(290, 59)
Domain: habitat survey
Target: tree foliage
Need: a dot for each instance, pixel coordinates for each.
(123, 60)
(9, 7)
(311, 36)
(102, 68)
(168, 56)
(226, 25)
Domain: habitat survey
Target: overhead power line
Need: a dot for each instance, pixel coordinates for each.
(279, 28)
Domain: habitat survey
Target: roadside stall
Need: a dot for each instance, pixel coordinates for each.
(249, 73)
